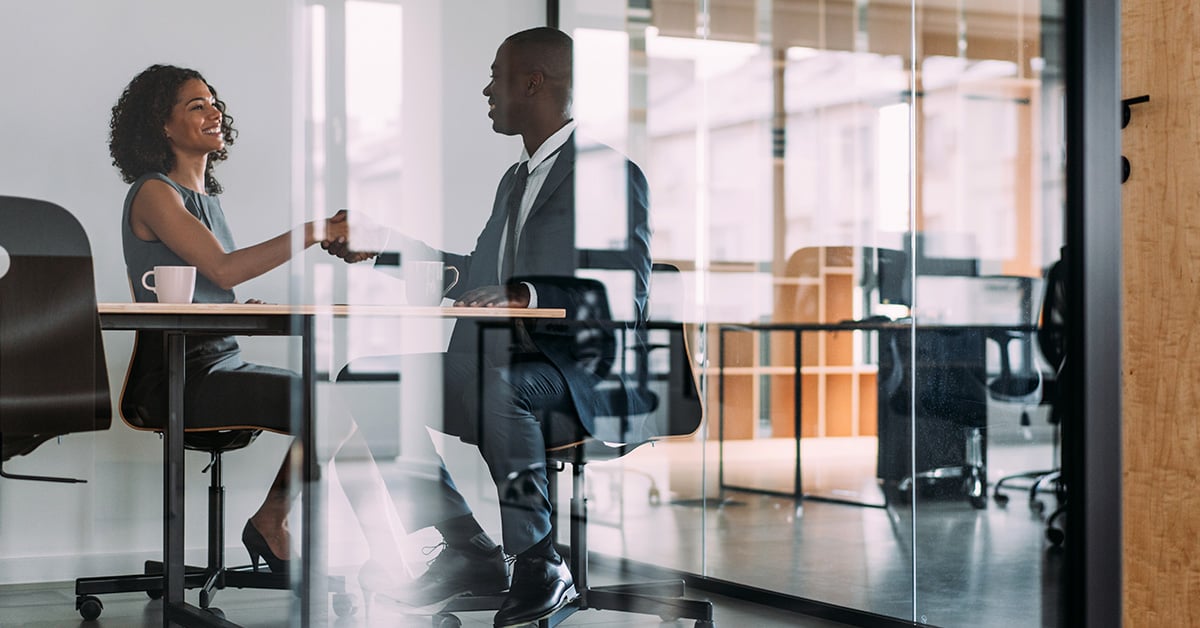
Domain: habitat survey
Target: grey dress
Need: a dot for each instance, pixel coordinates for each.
(221, 390)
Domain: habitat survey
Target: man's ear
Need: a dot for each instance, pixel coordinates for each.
(535, 82)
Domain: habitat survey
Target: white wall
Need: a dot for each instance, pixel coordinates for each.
(64, 63)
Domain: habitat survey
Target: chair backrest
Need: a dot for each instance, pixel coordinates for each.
(1052, 335)
(685, 407)
(53, 378)
(656, 368)
(1052, 326)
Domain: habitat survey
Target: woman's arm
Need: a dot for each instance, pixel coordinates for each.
(157, 213)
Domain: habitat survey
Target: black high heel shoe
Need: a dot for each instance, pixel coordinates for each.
(257, 546)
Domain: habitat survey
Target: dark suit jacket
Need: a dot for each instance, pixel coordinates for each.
(583, 349)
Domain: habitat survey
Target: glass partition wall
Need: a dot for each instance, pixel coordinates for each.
(862, 198)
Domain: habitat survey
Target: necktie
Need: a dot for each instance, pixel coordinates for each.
(514, 209)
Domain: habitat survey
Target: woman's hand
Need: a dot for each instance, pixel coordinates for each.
(337, 237)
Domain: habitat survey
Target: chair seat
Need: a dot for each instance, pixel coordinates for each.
(219, 440)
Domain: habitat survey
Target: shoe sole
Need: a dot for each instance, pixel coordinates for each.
(570, 595)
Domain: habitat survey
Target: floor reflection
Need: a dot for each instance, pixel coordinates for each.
(986, 567)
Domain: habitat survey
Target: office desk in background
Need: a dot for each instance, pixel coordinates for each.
(238, 319)
(797, 330)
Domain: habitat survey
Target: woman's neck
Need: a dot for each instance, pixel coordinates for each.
(189, 171)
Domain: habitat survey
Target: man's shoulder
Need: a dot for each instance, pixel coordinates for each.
(594, 150)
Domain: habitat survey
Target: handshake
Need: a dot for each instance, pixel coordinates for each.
(367, 236)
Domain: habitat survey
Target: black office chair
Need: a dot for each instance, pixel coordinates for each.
(1027, 385)
(1052, 341)
(53, 378)
(646, 420)
(951, 413)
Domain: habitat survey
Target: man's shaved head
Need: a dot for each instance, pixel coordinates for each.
(546, 50)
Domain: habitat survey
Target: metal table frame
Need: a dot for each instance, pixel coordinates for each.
(797, 330)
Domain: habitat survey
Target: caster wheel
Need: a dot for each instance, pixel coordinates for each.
(446, 620)
(154, 594)
(976, 490)
(89, 607)
(343, 605)
(1037, 506)
(215, 612)
(1001, 499)
(705, 623)
(1055, 536)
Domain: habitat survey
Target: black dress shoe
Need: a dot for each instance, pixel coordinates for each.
(453, 573)
(540, 587)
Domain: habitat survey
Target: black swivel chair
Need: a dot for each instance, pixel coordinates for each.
(1051, 342)
(951, 412)
(1024, 385)
(53, 378)
(647, 419)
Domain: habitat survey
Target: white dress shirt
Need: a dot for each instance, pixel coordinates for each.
(540, 163)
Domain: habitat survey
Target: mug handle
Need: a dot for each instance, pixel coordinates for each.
(147, 285)
(452, 283)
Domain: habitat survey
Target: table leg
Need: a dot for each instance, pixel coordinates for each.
(309, 476)
(720, 409)
(173, 481)
(798, 411)
(176, 611)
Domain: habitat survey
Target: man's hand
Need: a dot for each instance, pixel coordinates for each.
(514, 295)
(367, 236)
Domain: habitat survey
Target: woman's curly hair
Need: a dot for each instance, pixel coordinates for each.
(136, 139)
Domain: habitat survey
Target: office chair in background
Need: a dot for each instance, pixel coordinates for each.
(1051, 343)
(53, 378)
(645, 420)
(951, 412)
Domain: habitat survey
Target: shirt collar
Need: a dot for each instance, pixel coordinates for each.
(548, 147)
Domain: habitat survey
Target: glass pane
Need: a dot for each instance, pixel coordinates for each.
(862, 199)
(989, 216)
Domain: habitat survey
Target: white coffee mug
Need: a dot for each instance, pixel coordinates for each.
(425, 282)
(172, 284)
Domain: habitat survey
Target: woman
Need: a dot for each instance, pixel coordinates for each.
(168, 131)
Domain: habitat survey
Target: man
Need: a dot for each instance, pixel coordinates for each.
(539, 386)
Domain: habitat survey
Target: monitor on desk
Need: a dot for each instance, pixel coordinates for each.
(890, 271)
(894, 277)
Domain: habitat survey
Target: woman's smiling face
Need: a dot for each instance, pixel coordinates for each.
(195, 122)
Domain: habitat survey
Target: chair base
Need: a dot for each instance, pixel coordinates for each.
(973, 471)
(664, 599)
(210, 579)
(1040, 479)
(973, 477)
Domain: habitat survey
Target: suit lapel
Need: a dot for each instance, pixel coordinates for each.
(563, 167)
(487, 251)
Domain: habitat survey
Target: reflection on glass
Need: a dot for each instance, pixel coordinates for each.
(830, 176)
(872, 201)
